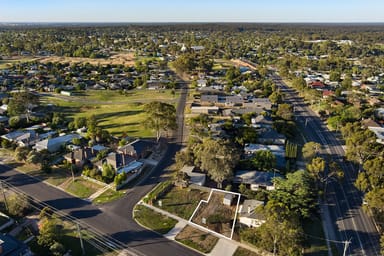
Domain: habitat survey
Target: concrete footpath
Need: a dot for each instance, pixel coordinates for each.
(224, 247)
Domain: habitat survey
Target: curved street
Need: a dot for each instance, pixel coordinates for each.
(112, 219)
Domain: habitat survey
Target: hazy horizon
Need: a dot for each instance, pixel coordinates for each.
(198, 11)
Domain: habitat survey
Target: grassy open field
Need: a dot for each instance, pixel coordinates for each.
(6, 63)
(115, 112)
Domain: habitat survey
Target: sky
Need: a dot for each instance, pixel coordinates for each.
(191, 11)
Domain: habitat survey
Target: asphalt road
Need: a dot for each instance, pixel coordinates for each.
(345, 219)
(112, 219)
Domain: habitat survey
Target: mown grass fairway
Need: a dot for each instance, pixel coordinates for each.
(115, 112)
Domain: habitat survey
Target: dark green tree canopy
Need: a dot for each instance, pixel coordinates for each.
(161, 116)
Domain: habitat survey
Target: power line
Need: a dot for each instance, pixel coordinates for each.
(96, 238)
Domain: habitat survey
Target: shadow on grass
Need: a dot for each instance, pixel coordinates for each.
(101, 117)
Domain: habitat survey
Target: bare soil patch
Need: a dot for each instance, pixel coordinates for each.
(216, 216)
(126, 59)
(197, 239)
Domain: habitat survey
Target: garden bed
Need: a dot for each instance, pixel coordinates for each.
(197, 239)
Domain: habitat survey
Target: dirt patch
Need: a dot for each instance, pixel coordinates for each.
(238, 63)
(126, 59)
(216, 216)
(197, 239)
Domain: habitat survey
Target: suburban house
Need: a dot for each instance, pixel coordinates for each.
(248, 216)
(233, 100)
(277, 150)
(21, 137)
(117, 160)
(262, 122)
(263, 103)
(204, 110)
(316, 85)
(271, 136)
(80, 156)
(194, 177)
(376, 128)
(54, 144)
(207, 99)
(132, 168)
(255, 179)
(138, 149)
(4, 119)
(10, 246)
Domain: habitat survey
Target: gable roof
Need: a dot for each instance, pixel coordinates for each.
(255, 177)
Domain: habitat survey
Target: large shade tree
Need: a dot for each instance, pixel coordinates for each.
(161, 116)
(217, 158)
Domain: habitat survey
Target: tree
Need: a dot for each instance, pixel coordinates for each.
(264, 160)
(22, 103)
(218, 158)
(17, 204)
(161, 116)
(334, 76)
(184, 63)
(58, 118)
(310, 150)
(372, 176)
(293, 196)
(275, 97)
(21, 153)
(285, 111)
(91, 127)
(316, 167)
(280, 237)
(80, 122)
(50, 231)
(108, 172)
(362, 146)
(299, 83)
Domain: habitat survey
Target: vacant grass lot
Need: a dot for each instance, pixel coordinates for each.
(81, 187)
(108, 196)
(182, 201)
(154, 220)
(197, 239)
(114, 111)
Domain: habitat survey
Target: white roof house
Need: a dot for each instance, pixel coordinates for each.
(54, 144)
(194, 177)
(248, 216)
(256, 179)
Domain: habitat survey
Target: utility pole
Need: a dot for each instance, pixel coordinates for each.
(274, 246)
(346, 244)
(81, 239)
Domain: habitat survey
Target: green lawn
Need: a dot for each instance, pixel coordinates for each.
(82, 188)
(182, 201)
(115, 112)
(154, 220)
(108, 196)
